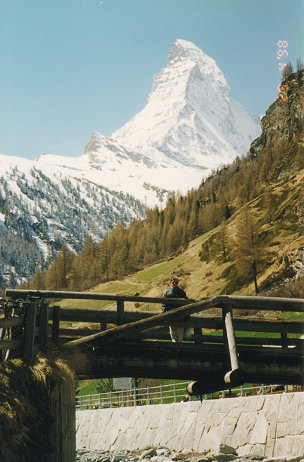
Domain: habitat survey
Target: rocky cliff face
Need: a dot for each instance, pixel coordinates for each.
(283, 123)
(282, 145)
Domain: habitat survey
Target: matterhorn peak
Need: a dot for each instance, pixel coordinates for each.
(183, 50)
(190, 116)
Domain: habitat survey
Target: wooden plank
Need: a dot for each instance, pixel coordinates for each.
(275, 326)
(130, 328)
(30, 310)
(240, 302)
(77, 332)
(22, 293)
(100, 315)
(198, 335)
(167, 361)
(10, 344)
(120, 312)
(264, 303)
(10, 322)
(56, 311)
(62, 426)
(43, 324)
(252, 340)
(194, 350)
(248, 323)
(284, 340)
(160, 333)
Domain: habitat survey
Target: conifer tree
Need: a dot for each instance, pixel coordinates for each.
(51, 279)
(227, 212)
(249, 246)
(222, 242)
(57, 277)
(300, 65)
(287, 71)
(37, 282)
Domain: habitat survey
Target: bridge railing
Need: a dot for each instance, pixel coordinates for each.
(166, 394)
(34, 316)
(162, 394)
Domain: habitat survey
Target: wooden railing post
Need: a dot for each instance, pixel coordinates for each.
(43, 324)
(235, 376)
(55, 325)
(284, 340)
(198, 335)
(229, 335)
(29, 330)
(120, 312)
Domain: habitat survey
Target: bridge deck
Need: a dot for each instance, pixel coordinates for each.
(206, 363)
(138, 346)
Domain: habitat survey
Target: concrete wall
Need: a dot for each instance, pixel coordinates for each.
(271, 425)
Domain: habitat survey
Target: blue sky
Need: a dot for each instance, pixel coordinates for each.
(71, 67)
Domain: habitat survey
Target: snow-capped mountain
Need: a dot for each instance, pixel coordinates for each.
(189, 126)
(190, 116)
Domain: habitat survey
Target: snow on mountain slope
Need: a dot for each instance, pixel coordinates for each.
(190, 116)
(42, 209)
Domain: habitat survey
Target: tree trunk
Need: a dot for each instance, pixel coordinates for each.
(254, 272)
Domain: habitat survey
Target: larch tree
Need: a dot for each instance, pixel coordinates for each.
(37, 282)
(63, 267)
(222, 242)
(249, 244)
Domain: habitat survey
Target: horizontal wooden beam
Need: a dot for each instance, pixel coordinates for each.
(186, 361)
(10, 322)
(163, 334)
(240, 302)
(264, 303)
(252, 340)
(245, 323)
(10, 344)
(53, 294)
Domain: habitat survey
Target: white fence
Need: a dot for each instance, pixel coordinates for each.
(164, 394)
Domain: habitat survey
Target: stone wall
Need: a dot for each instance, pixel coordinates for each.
(271, 425)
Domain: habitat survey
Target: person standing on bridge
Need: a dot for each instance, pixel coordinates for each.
(176, 333)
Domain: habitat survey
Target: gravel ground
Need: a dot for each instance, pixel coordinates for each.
(163, 454)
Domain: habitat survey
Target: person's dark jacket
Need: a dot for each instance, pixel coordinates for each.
(174, 292)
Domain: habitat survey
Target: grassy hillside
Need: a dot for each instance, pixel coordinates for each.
(203, 279)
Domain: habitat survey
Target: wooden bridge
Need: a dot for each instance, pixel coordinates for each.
(226, 348)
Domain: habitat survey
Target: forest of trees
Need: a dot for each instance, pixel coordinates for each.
(165, 232)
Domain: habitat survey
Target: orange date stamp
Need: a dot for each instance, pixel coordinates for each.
(283, 93)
